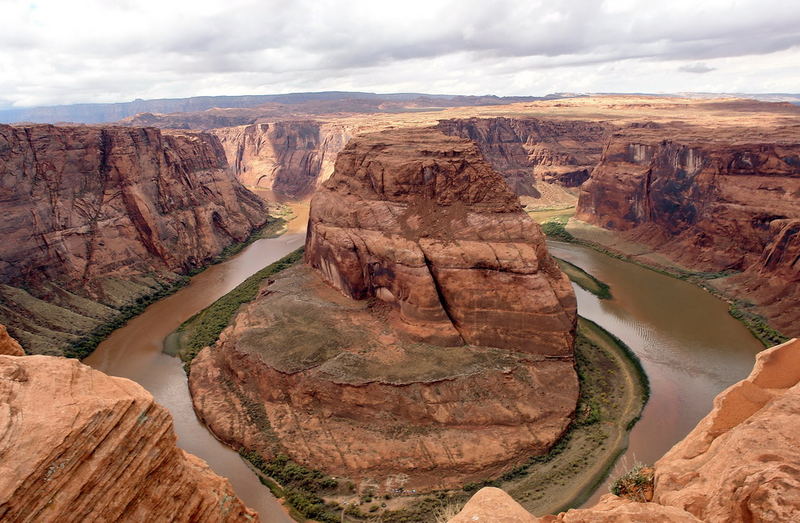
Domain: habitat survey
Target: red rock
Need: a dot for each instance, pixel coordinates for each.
(423, 248)
(106, 214)
(418, 219)
(711, 199)
(8, 345)
(77, 445)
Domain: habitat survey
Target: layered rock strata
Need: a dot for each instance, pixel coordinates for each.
(727, 201)
(741, 462)
(530, 150)
(290, 158)
(428, 344)
(418, 219)
(95, 218)
(77, 445)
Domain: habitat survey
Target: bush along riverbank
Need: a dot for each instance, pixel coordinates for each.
(740, 309)
(203, 329)
(613, 392)
(585, 280)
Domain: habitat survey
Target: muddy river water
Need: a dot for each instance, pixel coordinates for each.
(690, 347)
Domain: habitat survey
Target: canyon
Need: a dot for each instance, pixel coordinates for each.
(98, 219)
(426, 343)
(77, 445)
(739, 464)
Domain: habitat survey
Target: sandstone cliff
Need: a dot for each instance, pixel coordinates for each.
(291, 158)
(418, 219)
(8, 345)
(530, 152)
(95, 218)
(741, 462)
(77, 445)
(711, 200)
(429, 346)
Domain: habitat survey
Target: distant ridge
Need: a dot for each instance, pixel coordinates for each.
(112, 112)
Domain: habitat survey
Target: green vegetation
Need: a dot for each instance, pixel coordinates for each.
(585, 280)
(557, 231)
(203, 329)
(756, 323)
(636, 484)
(88, 343)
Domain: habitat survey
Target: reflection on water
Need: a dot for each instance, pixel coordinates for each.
(689, 345)
(134, 352)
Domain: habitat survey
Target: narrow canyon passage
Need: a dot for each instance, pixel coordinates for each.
(689, 345)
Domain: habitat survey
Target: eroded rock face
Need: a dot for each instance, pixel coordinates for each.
(291, 158)
(77, 445)
(525, 150)
(711, 200)
(742, 461)
(95, 217)
(8, 345)
(427, 345)
(418, 219)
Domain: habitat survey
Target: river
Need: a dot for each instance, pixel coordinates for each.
(689, 345)
(134, 352)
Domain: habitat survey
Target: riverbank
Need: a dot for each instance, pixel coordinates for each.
(562, 226)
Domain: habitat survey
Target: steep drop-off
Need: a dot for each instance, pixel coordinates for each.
(289, 157)
(77, 445)
(713, 200)
(96, 218)
(428, 344)
(741, 462)
(531, 150)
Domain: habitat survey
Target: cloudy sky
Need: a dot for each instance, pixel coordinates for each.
(60, 51)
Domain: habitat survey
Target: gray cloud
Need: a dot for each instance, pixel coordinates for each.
(696, 68)
(55, 52)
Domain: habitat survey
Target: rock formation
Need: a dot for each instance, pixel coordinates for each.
(291, 158)
(419, 219)
(741, 462)
(94, 218)
(8, 345)
(527, 150)
(77, 445)
(711, 200)
(429, 346)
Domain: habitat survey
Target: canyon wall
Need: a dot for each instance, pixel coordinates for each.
(712, 200)
(291, 158)
(527, 150)
(96, 218)
(427, 343)
(741, 462)
(77, 445)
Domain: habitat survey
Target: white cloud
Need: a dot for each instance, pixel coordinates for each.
(53, 51)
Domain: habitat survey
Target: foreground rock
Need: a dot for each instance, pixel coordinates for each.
(454, 361)
(96, 218)
(712, 200)
(8, 345)
(741, 462)
(77, 445)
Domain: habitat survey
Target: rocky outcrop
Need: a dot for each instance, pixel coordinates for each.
(8, 345)
(291, 158)
(418, 219)
(711, 200)
(77, 445)
(95, 218)
(741, 462)
(526, 150)
(429, 343)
